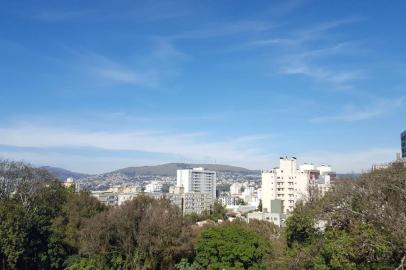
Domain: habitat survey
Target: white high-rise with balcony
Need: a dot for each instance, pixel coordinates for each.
(289, 184)
(197, 180)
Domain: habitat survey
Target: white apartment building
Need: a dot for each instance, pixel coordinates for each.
(197, 180)
(275, 218)
(235, 189)
(290, 184)
(154, 186)
(227, 200)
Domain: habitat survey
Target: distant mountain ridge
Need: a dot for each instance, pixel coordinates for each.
(62, 174)
(167, 169)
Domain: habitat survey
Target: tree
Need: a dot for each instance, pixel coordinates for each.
(301, 225)
(231, 246)
(240, 202)
(217, 211)
(260, 206)
(14, 227)
(141, 234)
(378, 199)
(362, 247)
(185, 265)
(30, 199)
(77, 208)
(21, 181)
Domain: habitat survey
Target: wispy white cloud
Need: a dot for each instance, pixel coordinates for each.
(308, 52)
(149, 70)
(127, 76)
(78, 163)
(99, 67)
(316, 64)
(287, 7)
(242, 150)
(321, 30)
(353, 113)
(352, 161)
(320, 73)
(219, 29)
(299, 38)
(183, 147)
(54, 15)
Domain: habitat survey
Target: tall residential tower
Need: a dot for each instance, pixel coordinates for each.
(287, 184)
(197, 180)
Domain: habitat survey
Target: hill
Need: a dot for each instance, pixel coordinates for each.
(169, 169)
(62, 174)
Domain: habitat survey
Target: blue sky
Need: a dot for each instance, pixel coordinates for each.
(93, 86)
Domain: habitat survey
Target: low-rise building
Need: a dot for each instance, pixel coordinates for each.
(274, 215)
(241, 208)
(275, 218)
(106, 197)
(124, 197)
(71, 184)
(153, 187)
(189, 202)
(228, 200)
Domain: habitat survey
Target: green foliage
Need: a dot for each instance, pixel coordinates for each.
(95, 263)
(142, 234)
(240, 202)
(185, 265)
(363, 247)
(231, 246)
(13, 232)
(218, 211)
(300, 226)
(26, 238)
(32, 234)
(77, 208)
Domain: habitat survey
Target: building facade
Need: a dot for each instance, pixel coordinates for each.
(197, 180)
(289, 184)
(108, 198)
(235, 189)
(191, 202)
(228, 200)
(154, 186)
(276, 218)
(403, 143)
(70, 183)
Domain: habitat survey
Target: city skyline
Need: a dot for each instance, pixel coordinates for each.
(97, 86)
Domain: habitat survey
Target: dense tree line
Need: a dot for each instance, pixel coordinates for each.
(358, 225)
